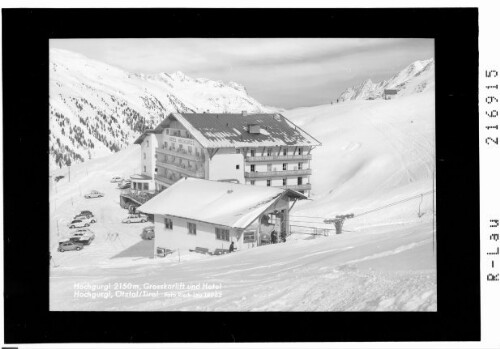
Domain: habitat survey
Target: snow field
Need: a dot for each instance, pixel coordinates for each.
(374, 153)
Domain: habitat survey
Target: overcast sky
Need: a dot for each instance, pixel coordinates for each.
(286, 73)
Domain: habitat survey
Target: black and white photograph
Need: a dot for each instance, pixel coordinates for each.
(242, 175)
(212, 175)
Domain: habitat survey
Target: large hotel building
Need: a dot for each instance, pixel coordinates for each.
(253, 149)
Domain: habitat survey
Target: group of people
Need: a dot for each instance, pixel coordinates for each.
(112, 236)
(274, 237)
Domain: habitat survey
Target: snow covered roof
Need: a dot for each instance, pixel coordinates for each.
(391, 91)
(231, 130)
(141, 138)
(141, 177)
(221, 203)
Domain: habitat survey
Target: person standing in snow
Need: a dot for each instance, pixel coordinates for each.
(274, 237)
(231, 247)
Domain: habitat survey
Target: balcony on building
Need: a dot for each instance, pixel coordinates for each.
(166, 180)
(278, 157)
(178, 133)
(183, 169)
(305, 186)
(183, 153)
(285, 173)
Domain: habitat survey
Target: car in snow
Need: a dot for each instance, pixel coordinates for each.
(58, 178)
(84, 236)
(86, 213)
(80, 223)
(135, 218)
(85, 217)
(116, 179)
(69, 246)
(148, 233)
(124, 185)
(94, 194)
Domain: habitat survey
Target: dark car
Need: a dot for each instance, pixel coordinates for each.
(69, 246)
(58, 178)
(148, 233)
(86, 213)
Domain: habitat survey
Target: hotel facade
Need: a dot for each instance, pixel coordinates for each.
(254, 149)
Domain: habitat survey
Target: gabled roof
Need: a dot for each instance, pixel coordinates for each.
(231, 130)
(220, 203)
(141, 138)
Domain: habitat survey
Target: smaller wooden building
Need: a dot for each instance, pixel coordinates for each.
(197, 213)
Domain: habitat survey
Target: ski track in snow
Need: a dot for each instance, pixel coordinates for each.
(383, 262)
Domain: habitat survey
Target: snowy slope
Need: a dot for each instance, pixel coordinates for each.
(381, 269)
(374, 153)
(415, 78)
(97, 109)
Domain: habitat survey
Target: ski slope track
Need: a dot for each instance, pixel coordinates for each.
(375, 154)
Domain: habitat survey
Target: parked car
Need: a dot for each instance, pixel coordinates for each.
(94, 194)
(69, 246)
(87, 214)
(84, 236)
(79, 223)
(58, 178)
(85, 217)
(148, 233)
(124, 185)
(135, 218)
(116, 179)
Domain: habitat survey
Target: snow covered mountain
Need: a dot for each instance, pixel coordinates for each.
(373, 154)
(97, 109)
(415, 78)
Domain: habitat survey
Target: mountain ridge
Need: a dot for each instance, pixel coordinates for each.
(414, 78)
(97, 109)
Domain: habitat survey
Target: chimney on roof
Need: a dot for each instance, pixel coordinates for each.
(244, 113)
(253, 128)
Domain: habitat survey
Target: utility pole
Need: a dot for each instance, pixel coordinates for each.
(338, 221)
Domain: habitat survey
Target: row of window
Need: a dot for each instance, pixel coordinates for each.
(284, 152)
(140, 186)
(180, 148)
(220, 233)
(177, 133)
(299, 181)
(300, 166)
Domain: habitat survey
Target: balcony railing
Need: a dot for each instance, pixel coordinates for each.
(278, 158)
(183, 169)
(165, 180)
(298, 186)
(178, 133)
(181, 153)
(286, 173)
(137, 195)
